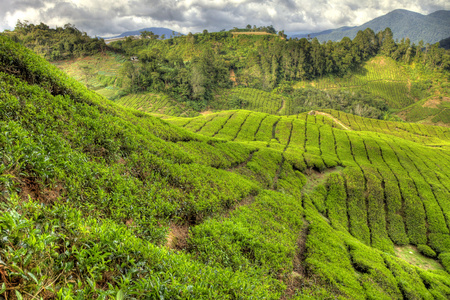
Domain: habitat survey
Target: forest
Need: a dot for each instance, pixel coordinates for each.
(274, 61)
(55, 43)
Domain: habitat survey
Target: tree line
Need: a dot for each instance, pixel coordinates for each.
(193, 82)
(56, 43)
(268, 63)
(192, 67)
(277, 60)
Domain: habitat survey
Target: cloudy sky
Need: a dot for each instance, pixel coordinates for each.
(109, 17)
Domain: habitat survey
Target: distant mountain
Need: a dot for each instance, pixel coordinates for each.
(168, 33)
(403, 23)
(315, 34)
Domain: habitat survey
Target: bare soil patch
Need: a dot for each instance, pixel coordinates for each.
(435, 102)
(315, 178)
(177, 237)
(233, 76)
(411, 255)
(432, 103)
(381, 61)
(30, 188)
(206, 112)
(333, 118)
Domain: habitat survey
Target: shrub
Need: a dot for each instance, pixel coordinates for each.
(426, 250)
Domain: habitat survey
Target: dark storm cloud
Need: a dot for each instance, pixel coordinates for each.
(103, 17)
(11, 6)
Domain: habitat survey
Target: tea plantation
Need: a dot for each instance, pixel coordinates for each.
(99, 201)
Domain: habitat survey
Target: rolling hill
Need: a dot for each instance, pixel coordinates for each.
(412, 92)
(102, 201)
(403, 23)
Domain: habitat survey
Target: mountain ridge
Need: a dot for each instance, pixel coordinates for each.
(430, 28)
(156, 30)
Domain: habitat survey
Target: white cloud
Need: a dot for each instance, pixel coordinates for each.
(103, 17)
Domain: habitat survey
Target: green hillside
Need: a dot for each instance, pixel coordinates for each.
(416, 93)
(369, 76)
(102, 201)
(99, 72)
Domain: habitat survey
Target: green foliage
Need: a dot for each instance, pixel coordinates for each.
(407, 278)
(360, 103)
(363, 76)
(335, 202)
(326, 256)
(194, 82)
(357, 206)
(264, 165)
(377, 281)
(251, 99)
(44, 245)
(56, 44)
(426, 250)
(444, 258)
(262, 234)
(318, 197)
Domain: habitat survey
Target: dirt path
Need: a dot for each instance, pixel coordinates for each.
(206, 112)
(333, 118)
(283, 105)
(244, 163)
(233, 76)
(315, 178)
(299, 279)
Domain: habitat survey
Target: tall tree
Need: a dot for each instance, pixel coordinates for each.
(388, 45)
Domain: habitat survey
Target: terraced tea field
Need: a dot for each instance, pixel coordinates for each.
(102, 201)
(156, 104)
(380, 76)
(390, 187)
(391, 168)
(252, 99)
(99, 72)
(401, 86)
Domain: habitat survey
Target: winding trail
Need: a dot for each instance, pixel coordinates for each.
(283, 105)
(333, 118)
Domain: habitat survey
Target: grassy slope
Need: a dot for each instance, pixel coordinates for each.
(93, 191)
